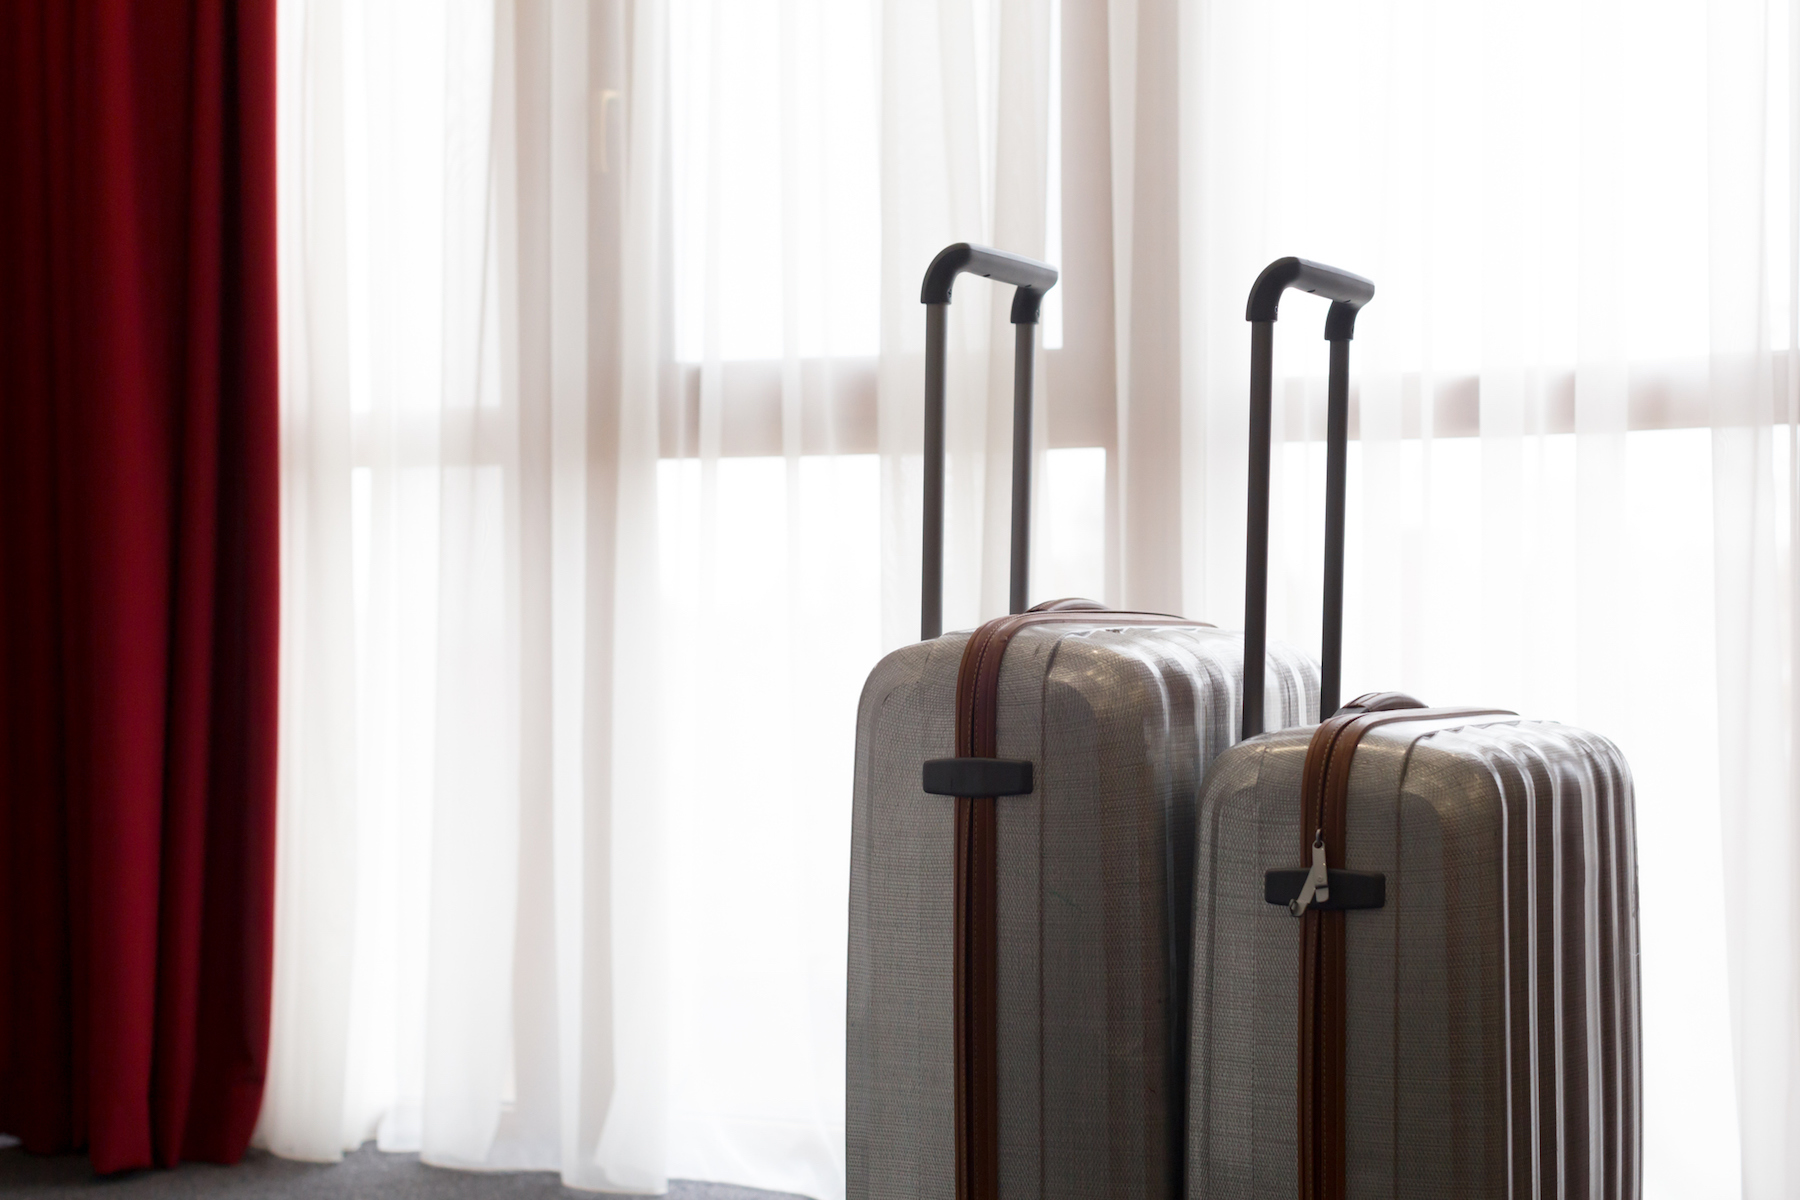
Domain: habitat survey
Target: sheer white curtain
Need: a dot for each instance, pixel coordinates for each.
(1753, 201)
(471, 916)
(602, 356)
(602, 351)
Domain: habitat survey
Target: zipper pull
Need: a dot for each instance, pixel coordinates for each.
(1318, 880)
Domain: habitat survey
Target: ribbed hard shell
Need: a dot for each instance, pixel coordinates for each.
(1492, 1005)
(1094, 899)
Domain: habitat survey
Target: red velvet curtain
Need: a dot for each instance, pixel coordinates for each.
(138, 574)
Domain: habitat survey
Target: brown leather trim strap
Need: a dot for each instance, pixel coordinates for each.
(977, 967)
(1324, 800)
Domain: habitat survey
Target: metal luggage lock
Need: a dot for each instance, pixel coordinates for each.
(1322, 887)
(1318, 880)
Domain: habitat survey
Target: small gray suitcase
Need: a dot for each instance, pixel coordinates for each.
(1020, 881)
(1455, 1010)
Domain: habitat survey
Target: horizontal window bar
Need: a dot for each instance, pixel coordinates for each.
(838, 414)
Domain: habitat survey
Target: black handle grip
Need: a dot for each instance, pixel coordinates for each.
(1348, 293)
(1033, 279)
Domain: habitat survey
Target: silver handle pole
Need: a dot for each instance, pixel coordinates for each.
(931, 598)
(1024, 344)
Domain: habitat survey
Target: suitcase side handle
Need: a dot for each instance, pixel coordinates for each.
(1032, 279)
(1347, 293)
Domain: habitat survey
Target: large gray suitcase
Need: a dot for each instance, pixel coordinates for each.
(1017, 991)
(1455, 1010)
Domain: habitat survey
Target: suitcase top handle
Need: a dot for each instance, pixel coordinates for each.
(1032, 279)
(1347, 293)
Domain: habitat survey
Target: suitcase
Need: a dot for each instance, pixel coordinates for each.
(1415, 929)
(1020, 882)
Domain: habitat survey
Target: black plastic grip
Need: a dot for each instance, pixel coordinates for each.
(1348, 890)
(1031, 277)
(977, 777)
(1347, 292)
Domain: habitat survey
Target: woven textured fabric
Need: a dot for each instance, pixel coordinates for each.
(1492, 1003)
(1095, 881)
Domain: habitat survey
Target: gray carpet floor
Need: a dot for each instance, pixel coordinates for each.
(366, 1173)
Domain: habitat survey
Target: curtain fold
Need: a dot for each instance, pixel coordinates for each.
(1148, 557)
(1753, 240)
(138, 456)
(469, 928)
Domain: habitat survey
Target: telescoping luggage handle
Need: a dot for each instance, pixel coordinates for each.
(1032, 279)
(1347, 293)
